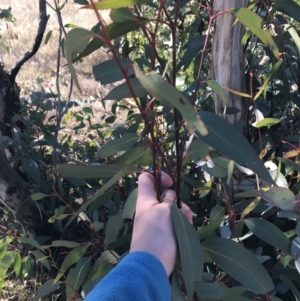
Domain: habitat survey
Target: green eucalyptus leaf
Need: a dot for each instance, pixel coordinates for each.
(123, 91)
(76, 42)
(77, 275)
(239, 263)
(225, 138)
(46, 289)
(279, 197)
(18, 264)
(169, 95)
(142, 156)
(176, 287)
(117, 145)
(269, 233)
(113, 227)
(198, 150)
(189, 250)
(65, 243)
(130, 204)
(114, 30)
(70, 259)
(254, 23)
(92, 171)
(38, 196)
(210, 290)
(121, 15)
(289, 163)
(267, 122)
(108, 4)
(109, 71)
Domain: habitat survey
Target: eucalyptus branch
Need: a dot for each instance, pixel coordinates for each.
(107, 41)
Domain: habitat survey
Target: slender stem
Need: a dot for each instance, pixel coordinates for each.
(107, 41)
(176, 117)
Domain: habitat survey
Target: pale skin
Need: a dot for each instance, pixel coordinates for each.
(153, 230)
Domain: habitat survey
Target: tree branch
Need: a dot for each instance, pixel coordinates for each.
(37, 43)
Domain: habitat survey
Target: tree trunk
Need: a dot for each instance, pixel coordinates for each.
(14, 193)
(228, 59)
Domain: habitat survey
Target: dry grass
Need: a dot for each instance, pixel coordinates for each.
(41, 69)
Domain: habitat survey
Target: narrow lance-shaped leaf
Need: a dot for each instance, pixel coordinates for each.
(279, 197)
(76, 41)
(117, 144)
(92, 171)
(106, 186)
(114, 30)
(226, 139)
(239, 263)
(254, 23)
(189, 250)
(215, 86)
(267, 122)
(70, 259)
(47, 288)
(109, 72)
(269, 233)
(265, 85)
(109, 4)
(169, 95)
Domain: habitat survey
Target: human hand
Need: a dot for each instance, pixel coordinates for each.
(153, 230)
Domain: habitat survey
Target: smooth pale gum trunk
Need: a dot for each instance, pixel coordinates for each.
(228, 59)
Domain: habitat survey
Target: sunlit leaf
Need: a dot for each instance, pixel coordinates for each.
(254, 23)
(279, 197)
(108, 4)
(239, 263)
(267, 122)
(238, 93)
(18, 264)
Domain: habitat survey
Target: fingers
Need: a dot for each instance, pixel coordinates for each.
(187, 212)
(166, 180)
(168, 196)
(146, 186)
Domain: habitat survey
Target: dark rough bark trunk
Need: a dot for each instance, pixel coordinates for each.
(228, 59)
(14, 193)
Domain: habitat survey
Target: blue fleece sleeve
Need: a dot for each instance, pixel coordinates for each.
(138, 276)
